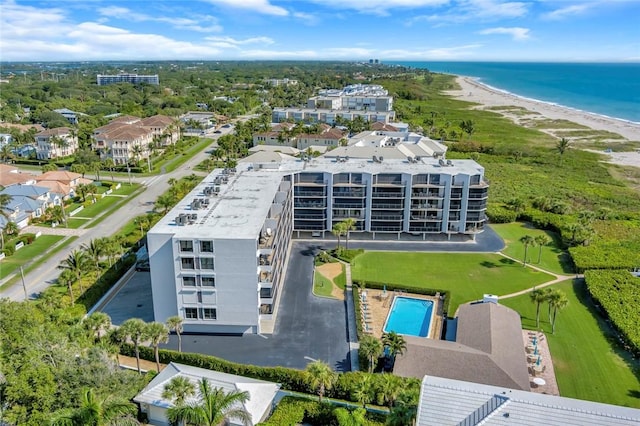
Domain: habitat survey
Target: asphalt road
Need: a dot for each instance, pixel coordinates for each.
(46, 273)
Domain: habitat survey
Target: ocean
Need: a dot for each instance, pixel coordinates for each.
(610, 89)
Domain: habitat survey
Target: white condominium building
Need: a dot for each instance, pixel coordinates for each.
(217, 258)
(103, 80)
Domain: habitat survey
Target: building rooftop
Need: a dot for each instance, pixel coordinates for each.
(445, 402)
(488, 349)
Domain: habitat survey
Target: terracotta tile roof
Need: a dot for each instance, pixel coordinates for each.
(127, 119)
(156, 121)
(63, 176)
(55, 186)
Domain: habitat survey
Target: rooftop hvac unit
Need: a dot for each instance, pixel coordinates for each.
(181, 219)
(381, 159)
(269, 232)
(196, 204)
(449, 163)
(216, 189)
(375, 159)
(441, 162)
(225, 179)
(417, 159)
(217, 180)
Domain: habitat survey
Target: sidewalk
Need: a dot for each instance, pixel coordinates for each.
(45, 230)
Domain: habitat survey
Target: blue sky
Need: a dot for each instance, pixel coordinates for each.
(390, 30)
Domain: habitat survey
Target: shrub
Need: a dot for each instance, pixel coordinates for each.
(500, 214)
(100, 287)
(9, 248)
(27, 238)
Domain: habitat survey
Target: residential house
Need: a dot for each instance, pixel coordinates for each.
(198, 123)
(447, 402)
(328, 136)
(5, 139)
(55, 143)
(61, 182)
(71, 116)
(28, 201)
(10, 175)
(258, 406)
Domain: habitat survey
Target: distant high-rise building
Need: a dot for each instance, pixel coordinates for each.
(103, 80)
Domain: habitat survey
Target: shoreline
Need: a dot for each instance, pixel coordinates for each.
(487, 96)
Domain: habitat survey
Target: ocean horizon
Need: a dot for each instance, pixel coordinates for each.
(608, 89)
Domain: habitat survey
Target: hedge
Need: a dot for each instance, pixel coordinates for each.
(618, 292)
(605, 256)
(292, 411)
(92, 295)
(500, 214)
(289, 378)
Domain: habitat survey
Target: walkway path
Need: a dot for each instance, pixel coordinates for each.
(558, 278)
(45, 230)
(352, 330)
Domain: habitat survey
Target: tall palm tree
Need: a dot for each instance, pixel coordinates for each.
(76, 262)
(143, 223)
(338, 230)
(558, 303)
(157, 333)
(175, 323)
(134, 329)
(94, 251)
(320, 377)
(527, 240)
(178, 390)
(349, 225)
(372, 349)
(213, 407)
(538, 297)
(164, 202)
(109, 164)
(541, 241)
(67, 278)
(395, 343)
(96, 412)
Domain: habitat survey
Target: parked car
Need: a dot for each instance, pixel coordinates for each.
(143, 265)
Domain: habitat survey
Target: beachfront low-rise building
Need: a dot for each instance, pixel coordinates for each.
(218, 257)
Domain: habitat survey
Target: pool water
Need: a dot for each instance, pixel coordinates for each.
(409, 316)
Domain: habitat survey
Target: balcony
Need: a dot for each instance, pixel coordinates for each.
(264, 278)
(303, 193)
(379, 194)
(389, 206)
(349, 194)
(413, 228)
(476, 206)
(385, 228)
(391, 217)
(310, 204)
(310, 216)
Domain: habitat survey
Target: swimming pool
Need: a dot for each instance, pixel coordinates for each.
(410, 316)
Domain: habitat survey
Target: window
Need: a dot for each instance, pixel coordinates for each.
(209, 313)
(208, 281)
(189, 281)
(199, 297)
(206, 263)
(186, 246)
(206, 246)
(191, 313)
(187, 263)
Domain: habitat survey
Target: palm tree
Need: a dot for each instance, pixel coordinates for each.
(175, 323)
(349, 224)
(538, 296)
(541, 240)
(338, 230)
(402, 415)
(97, 323)
(143, 222)
(83, 190)
(96, 412)
(134, 329)
(164, 202)
(94, 251)
(178, 390)
(372, 349)
(214, 407)
(558, 303)
(5, 199)
(109, 164)
(75, 262)
(67, 278)
(320, 377)
(362, 390)
(95, 167)
(527, 240)
(395, 343)
(157, 333)
(562, 146)
(390, 389)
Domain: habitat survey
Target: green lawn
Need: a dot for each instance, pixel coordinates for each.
(27, 253)
(99, 206)
(553, 259)
(466, 275)
(322, 286)
(586, 364)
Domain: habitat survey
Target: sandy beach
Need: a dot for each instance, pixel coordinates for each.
(532, 113)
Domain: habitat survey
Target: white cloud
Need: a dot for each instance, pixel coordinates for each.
(567, 12)
(380, 7)
(517, 33)
(232, 43)
(475, 10)
(260, 6)
(204, 24)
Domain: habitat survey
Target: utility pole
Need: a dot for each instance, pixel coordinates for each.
(24, 286)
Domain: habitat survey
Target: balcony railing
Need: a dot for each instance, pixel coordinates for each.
(310, 193)
(379, 206)
(386, 217)
(375, 194)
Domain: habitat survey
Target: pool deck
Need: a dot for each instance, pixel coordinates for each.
(379, 304)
